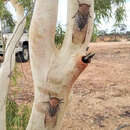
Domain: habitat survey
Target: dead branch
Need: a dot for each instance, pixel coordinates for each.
(122, 126)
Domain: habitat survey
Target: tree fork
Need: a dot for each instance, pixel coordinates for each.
(54, 103)
(54, 72)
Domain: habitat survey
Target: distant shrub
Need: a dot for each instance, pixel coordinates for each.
(59, 36)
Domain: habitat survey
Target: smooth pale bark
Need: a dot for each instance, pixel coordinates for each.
(54, 72)
(9, 61)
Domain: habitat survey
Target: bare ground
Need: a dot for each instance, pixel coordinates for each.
(101, 95)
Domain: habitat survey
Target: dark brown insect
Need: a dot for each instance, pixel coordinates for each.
(82, 15)
(53, 103)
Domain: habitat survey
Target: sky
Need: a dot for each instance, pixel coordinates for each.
(62, 16)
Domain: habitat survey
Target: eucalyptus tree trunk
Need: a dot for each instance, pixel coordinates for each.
(9, 60)
(55, 71)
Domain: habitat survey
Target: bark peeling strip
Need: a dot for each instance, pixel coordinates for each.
(80, 23)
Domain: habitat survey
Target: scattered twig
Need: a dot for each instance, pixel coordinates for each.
(98, 119)
(22, 68)
(122, 126)
(125, 114)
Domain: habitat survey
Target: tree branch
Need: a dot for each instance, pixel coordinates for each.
(42, 33)
(45, 32)
(78, 16)
(5, 67)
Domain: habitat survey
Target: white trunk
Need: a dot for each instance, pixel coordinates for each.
(9, 61)
(54, 72)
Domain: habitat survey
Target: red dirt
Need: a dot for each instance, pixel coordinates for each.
(101, 95)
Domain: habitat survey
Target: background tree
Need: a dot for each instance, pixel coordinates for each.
(5, 15)
(9, 60)
(28, 6)
(102, 33)
(104, 10)
(123, 28)
(118, 29)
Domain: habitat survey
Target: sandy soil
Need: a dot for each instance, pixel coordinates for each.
(101, 95)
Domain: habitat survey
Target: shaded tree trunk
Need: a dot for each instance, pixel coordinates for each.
(9, 60)
(55, 71)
